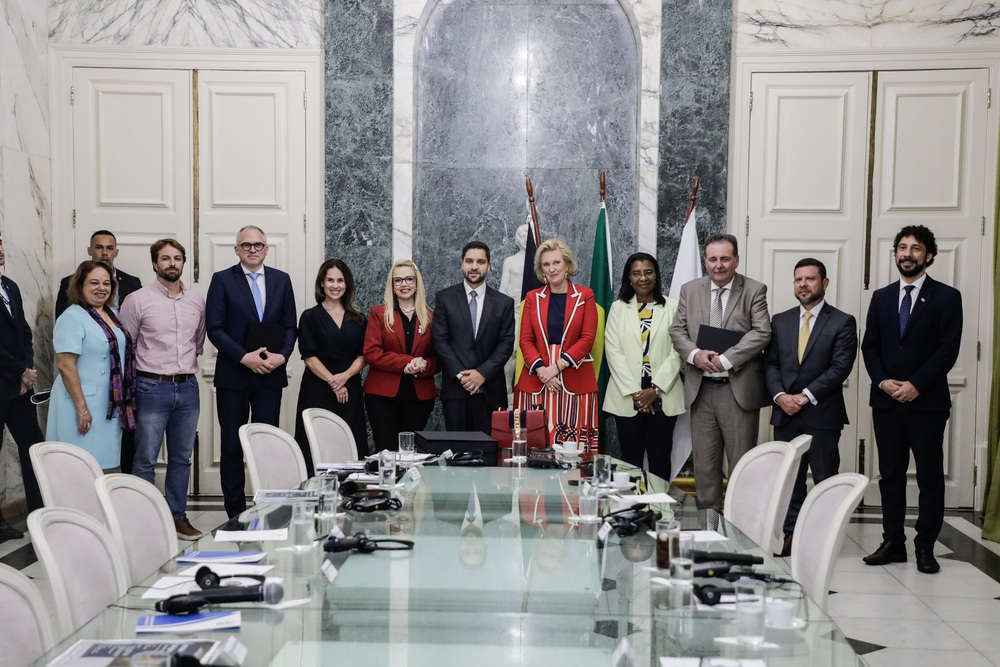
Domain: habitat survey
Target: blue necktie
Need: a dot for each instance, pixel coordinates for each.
(473, 310)
(258, 300)
(904, 310)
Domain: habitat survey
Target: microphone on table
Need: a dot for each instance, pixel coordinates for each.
(268, 591)
(759, 576)
(728, 557)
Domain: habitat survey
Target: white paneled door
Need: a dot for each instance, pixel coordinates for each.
(194, 155)
(834, 178)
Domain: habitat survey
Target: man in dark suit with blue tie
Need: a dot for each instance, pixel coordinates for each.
(17, 381)
(812, 351)
(911, 341)
(250, 318)
(473, 335)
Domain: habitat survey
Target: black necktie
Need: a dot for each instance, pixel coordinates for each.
(904, 310)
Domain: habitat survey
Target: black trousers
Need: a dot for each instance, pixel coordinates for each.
(898, 432)
(468, 414)
(823, 458)
(236, 406)
(389, 416)
(21, 419)
(649, 435)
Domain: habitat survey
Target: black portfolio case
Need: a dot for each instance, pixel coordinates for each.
(437, 442)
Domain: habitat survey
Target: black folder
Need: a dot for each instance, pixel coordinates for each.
(716, 339)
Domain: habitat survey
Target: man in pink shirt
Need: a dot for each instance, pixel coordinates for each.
(167, 322)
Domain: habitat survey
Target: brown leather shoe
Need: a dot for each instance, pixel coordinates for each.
(786, 547)
(186, 531)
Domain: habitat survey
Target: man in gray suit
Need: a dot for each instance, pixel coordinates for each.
(723, 389)
(473, 336)
(812, 351)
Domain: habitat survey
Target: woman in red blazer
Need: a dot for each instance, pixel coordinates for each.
(399, 389)
(558, 327)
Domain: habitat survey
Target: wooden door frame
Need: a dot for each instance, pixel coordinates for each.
(748, 63)
(64, 58)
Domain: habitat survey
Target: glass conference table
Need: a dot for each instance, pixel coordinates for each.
(499, 575)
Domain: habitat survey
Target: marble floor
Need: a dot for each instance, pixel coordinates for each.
(893, 615)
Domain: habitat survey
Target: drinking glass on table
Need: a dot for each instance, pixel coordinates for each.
(387, 469)
(750, 595)
(588, 501)
(682, 559)
(519, 450)
(406, 449)
(602, 470)
(303, 531)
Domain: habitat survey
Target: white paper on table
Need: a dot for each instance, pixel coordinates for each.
(647, 498)
(229, 569)
(168, 586)
(273, 535)
(733, 641)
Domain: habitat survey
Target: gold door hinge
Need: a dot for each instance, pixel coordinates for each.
(72, 95)
(74, 218)
(751, 101)
(303, 222)
(748, 226)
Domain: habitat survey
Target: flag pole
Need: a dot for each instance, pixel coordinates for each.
(603, 187)
(691, 202)
(534, 211)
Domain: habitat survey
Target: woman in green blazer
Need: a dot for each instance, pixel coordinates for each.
(645, 393)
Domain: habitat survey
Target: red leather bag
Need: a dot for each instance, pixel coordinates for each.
(532, 427)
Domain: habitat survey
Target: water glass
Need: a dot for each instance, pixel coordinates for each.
(326, 504)
(302, 528)
(750, 595)
(682, 559)
(602, 470)
(387, 469)
(519, 451)
(406, 449)
(668, 532)
(588, 501)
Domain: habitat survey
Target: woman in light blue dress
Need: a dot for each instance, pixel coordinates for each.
(92, 399)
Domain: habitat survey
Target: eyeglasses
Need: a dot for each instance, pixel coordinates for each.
(409, 280)
(648, 273)
(252, 246)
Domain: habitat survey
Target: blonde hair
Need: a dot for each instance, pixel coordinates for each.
(419, 297)
(567, 255)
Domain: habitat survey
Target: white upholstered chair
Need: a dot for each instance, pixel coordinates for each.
(66, 475)
(330, 438)
(751, 487)
(140, 522)
(772, 533)
(819, 531)
(25, 623)
(83, 564)
(274, 459)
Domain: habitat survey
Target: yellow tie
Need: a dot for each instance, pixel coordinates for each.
(804, 333)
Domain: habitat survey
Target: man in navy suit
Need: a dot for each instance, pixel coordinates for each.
(473, 334)
(812, 351)
(17, 381)
(911, 341)
(247, 301)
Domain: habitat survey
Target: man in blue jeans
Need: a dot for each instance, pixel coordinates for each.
(167, 322)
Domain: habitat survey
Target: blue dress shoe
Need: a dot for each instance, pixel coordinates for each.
(888, 552)
(926, 562)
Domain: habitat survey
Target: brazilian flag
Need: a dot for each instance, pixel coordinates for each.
(600, 282)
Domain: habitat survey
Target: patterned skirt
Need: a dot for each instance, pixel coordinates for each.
(568, 416)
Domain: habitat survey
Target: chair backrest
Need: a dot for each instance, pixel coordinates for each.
(773, 530)
(751, 486)
(86, 570)
(819, 531)
(330, 438)
(274, 459)
(140, 522)
(25, 627)
(66, 475)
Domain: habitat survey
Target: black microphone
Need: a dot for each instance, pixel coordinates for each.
(268, 591)
(728, 557)
(710, 569)
(759, 576)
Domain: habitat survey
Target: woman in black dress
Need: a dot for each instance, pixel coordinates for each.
(331, 340)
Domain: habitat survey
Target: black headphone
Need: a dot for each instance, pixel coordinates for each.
(711, 595)
(628, 522)
(371, 500)
(205, 578)
(366, 545)
(473, 457)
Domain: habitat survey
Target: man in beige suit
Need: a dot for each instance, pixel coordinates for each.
(723, 389)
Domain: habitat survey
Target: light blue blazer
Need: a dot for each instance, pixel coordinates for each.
(76, 332)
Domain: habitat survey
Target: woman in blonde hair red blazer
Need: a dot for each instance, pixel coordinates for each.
(558, 328)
